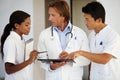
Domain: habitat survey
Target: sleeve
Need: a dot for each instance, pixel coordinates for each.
(41, 47)
(9, 51)
(113, 46)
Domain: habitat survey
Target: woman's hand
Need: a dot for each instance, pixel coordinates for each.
(33, 56)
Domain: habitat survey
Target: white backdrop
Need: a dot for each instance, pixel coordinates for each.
(8, 6)
(112, 8)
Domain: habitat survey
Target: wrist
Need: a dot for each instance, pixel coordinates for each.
(80, 53)
(52, 68)
(29, 61)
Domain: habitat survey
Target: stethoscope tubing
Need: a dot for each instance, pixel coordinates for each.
(52, 35)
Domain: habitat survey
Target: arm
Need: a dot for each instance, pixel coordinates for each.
(12, 68)
(97, 58)
(84, 45)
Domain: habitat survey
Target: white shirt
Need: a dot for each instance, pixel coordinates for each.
(14, 53)
(106, 41)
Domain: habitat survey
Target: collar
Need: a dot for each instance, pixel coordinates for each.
(68, 28)
(16, 35)
(103, 31)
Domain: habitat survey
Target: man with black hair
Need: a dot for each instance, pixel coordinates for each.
(104, 45)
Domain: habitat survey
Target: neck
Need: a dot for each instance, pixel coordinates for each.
(18, 33)
(62, 26)
(100, 27)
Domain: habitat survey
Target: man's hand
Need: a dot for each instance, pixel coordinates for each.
(63, 55)
(54, 66)
(73, 55)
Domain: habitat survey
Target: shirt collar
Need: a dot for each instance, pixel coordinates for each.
(68, 28)
(16, 35)
(102, 31)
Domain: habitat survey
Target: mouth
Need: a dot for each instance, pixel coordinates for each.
(27, 32)
(52, 23)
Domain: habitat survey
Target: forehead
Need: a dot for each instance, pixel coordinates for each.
(27, 21)
(87, 15)
(54, 10)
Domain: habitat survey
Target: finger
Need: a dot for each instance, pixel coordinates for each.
(69, 56)
(51, 62)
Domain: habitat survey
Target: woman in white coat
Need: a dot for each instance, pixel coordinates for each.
(60, 39)
(13, 47)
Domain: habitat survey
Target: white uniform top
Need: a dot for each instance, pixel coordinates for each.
(52, 44)
(14, 53)
(106, 41)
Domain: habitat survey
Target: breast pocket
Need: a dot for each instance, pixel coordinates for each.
(100, 46)
(73, 45)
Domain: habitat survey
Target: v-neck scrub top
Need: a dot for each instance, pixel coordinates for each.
(14, 53)
(106, 41)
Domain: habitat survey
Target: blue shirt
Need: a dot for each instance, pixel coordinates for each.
(62, 35)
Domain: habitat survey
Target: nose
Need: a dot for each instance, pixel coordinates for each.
(28, 27)
(85, 22)
(49, 18)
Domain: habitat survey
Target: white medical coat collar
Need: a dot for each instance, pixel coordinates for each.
(16, 35)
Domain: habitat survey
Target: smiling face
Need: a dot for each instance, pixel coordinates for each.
(24, 27)
(55, 18)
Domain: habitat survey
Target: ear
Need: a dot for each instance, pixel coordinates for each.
(99, 20)
(16, 25)
(63, 18)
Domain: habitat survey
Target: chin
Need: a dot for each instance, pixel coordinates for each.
(26, 33)
(52, 25)
(89, 28)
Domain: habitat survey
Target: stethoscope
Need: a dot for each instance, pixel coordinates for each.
(68, 33)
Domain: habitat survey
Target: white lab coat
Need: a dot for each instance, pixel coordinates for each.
(51, 44)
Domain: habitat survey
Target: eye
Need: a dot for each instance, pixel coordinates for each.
(53, 15)
(26, 24)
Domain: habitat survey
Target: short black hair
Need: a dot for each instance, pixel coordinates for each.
(95, 9)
